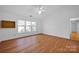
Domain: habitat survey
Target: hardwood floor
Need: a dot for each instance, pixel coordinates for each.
(39, 44)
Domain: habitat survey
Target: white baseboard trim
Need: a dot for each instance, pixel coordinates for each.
(55, 35)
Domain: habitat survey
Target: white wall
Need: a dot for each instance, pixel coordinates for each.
(11, 33)
(78, 27)
(55, 21)
(58, 22)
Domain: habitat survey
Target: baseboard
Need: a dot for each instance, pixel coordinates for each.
(22, 37)
(56, 36)
(27, 36)
(35, 35)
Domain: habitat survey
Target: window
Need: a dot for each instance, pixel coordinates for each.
(21, 26)
(33, 26)
(21, 29)
(28, 26)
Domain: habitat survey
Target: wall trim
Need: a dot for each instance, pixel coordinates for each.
(37, 34)
(56, 36)
(21, 37)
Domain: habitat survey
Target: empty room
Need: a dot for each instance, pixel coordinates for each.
(39, 28)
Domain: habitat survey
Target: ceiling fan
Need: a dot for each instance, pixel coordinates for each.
(39, 8)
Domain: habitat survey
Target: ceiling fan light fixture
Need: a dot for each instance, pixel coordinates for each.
(41, 8)
(39, 12)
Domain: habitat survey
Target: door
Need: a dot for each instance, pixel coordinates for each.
(74, 30)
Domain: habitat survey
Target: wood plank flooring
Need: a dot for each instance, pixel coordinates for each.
(39, 44)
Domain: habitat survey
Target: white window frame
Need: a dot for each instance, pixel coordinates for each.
(34, 26)
(21, 25)
(29, 26)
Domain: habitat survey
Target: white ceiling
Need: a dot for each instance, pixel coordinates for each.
(27, 10)
(21, 10)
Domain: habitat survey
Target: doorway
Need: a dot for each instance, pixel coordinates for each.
(74, 29)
